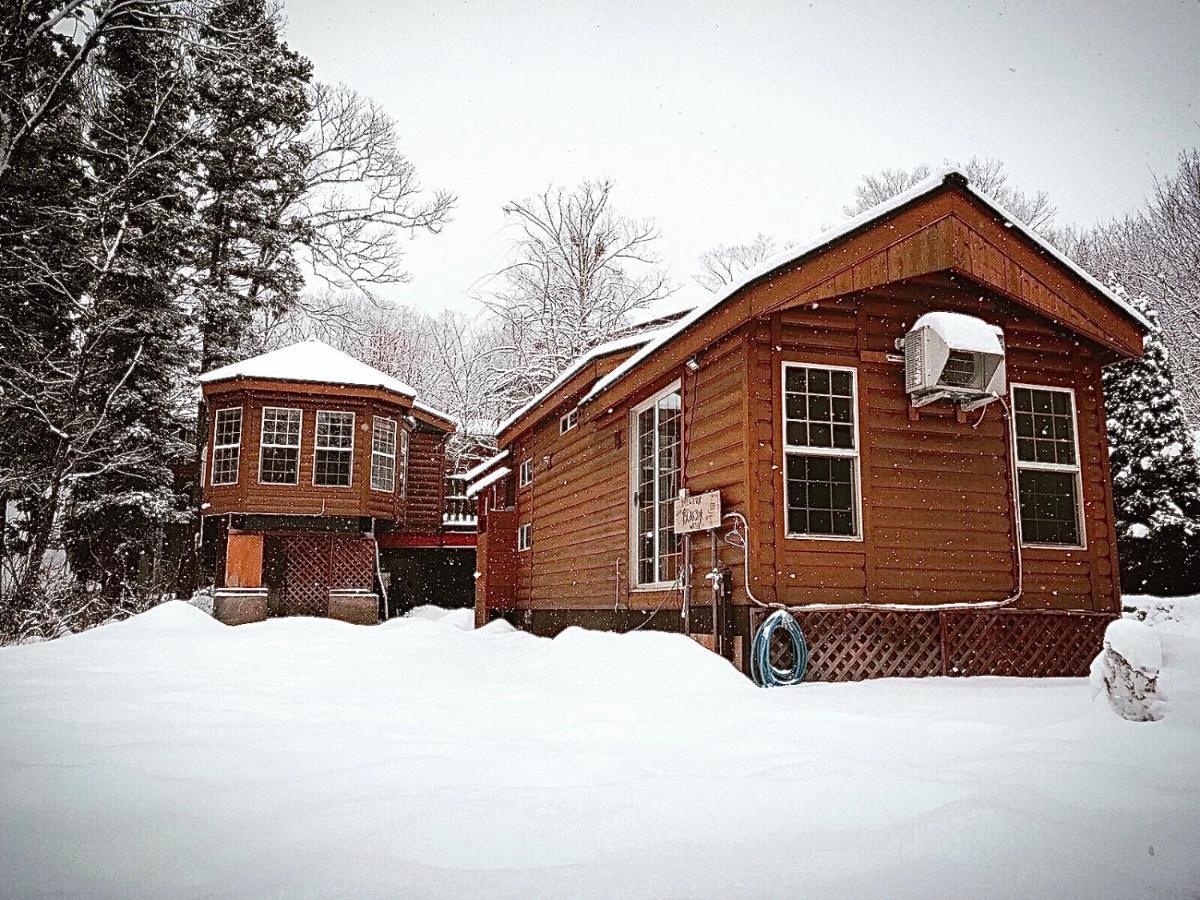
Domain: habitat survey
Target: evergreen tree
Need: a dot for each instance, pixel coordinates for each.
(41, 278)
(139, 153)
(253, 97)
(1156, 479)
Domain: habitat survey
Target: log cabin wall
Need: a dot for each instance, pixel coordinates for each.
(936, 516)
(936, 525)
(419, 508)
(579, 499)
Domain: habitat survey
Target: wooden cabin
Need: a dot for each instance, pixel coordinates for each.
(910, 534)
(324, 490)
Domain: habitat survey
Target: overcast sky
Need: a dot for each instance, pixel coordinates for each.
(723, 119)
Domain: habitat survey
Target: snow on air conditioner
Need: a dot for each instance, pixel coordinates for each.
(951, 356)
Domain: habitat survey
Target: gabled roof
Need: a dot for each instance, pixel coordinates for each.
(315, 362)
(798, 253)
(597, 352)
(473, 473)
(487, 480)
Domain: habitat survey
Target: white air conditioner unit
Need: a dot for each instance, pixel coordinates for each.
(950, 356)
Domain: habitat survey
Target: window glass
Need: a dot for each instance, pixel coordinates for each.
(279, 446)
(658, 426)
(334, 454)
(1048, 466)
(383, 454)
(821, 453)
(227, 445)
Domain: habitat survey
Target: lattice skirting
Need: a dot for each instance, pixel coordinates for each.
(318, 563)
(859, 644)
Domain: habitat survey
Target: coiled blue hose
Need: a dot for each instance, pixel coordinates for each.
(761, 670)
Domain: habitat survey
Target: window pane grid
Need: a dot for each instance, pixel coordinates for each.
(819, 408)
(657, 476)
(821, 451)
(333, 457)
(279, 446)
(227, 446)
(383, 455)
(1047, 466)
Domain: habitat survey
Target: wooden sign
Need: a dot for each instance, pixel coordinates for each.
(698, 512)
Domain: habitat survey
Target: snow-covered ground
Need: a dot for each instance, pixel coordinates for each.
(172, 756)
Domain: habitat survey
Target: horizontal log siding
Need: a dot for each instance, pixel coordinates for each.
(579, 500)
(937, 523)
(421, 511)
(426, 462)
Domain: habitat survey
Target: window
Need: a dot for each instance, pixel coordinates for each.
(525, 475)
(1048, 478)
(227, 445)
(404, 464)
(383, 455)
(655, 450)
(569, 421)
(333, 456)
(279, 447)
(525, 537)
(820, 440)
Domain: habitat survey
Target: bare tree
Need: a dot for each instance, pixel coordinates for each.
(987, 174)
(723, 264)
(1156, 252)
(359, 192)
(579, 269)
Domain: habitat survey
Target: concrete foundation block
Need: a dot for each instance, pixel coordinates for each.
(355, 607)
(238, 606)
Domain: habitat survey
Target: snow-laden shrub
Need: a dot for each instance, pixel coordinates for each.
(1127, 670)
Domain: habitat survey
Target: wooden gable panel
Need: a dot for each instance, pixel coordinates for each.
(969, 241)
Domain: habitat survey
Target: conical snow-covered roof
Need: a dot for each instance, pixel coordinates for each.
(310, 361)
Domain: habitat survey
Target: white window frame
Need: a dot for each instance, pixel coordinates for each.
(569, 421)
(317, 446)
(386, 456)
(403, 463)
(237, 468)
(524, 537)
(298, 446)
(1077, 469)
(525, 473)
(674, 387)
(805, 450)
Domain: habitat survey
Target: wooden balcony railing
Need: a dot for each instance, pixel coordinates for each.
(460, 511)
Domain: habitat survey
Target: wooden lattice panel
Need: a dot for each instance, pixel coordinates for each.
(318, 563)
(858, 644)
(1023, 643)
(352, 564)
(306, 584)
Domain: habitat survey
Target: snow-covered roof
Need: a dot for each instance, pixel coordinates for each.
(310, 361)
(473, 473)
(433, 411)
(679, 303)
(961, 332)
(487, 481)
(804, 248)
(624, 343)
(316, 362)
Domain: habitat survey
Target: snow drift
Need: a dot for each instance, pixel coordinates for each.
(172, 756)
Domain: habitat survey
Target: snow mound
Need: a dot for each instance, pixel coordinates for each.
(670, 662)
(1150, 666)
(459, 618)
(172, 617)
